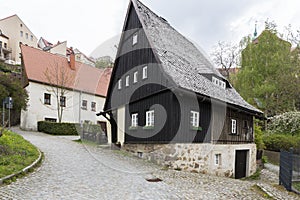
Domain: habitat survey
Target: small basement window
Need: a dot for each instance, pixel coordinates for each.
(218, 159)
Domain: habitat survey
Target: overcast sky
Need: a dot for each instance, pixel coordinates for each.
(87, 24)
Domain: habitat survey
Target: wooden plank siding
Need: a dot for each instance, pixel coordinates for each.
(177, 128)
(244, 129)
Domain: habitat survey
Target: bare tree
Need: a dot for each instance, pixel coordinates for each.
(60, 79)
(226, 55)
(292, 36)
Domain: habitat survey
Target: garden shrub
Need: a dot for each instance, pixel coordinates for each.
(54, 128)
(258, 137)
(286, 123)
(276, 142)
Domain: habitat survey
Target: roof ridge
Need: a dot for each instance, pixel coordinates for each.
(9, 17)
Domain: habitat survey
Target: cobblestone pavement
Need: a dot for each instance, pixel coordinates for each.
(72, 170)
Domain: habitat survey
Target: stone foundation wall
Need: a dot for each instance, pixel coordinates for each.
(196, 157)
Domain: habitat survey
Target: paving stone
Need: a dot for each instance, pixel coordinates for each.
(72, 170)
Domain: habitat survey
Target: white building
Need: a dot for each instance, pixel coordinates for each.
(18, 33)
(86, 88)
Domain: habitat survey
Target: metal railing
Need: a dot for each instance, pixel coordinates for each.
(289, 171)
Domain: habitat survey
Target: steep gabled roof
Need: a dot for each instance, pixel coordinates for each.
(183, 61)
(86, 78)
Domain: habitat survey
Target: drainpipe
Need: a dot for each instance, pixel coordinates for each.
(79, 107)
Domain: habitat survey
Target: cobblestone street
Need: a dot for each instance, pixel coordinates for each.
(72, 170)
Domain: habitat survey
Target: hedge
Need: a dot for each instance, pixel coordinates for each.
(57, 128)
(276, 142)
(66, 128)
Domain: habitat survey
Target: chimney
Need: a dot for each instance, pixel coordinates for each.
(72, 60)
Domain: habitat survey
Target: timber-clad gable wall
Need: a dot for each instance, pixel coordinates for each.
(158, 89)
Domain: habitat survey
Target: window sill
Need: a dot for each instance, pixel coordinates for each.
(148, 127)
(196, 128)
(132, 128)
(233, 134)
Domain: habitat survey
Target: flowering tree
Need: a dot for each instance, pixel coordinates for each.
(286, 123)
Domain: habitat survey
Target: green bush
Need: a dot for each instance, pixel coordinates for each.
(258, 137)
(54, 128)
(276, 142)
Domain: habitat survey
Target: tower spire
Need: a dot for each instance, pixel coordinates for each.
(255, 31)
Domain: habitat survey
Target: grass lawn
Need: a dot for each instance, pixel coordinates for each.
(15, 153)
(296, 185)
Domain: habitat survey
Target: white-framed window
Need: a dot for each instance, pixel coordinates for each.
(62, 100)
(194, 118)
(127, 81)
(47, 99)
(120, 84)
(21, 33)
(135, 77)
(150, 118)
(233, 126)
(93, 106)
(145, 72)
(218, 82)
(218, 159)
(134, 39)
(134, 120)
(26, 35)
(31, 37)
(84, 105)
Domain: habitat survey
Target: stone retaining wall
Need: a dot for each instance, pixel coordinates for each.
(196, 157)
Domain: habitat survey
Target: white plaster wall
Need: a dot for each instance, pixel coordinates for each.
(60, 49)
(38, 111)
(121, 125)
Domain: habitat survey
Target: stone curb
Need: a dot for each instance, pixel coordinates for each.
(26, 169)
(265, 190)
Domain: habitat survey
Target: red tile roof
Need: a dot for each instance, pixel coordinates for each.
(84, 78)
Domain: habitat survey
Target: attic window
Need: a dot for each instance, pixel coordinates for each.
(135, 39)
(135, 77)
(127, 81)
(219, 82)
(120, 84)
(145, 72)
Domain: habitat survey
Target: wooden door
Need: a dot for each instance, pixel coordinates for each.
(240, 163)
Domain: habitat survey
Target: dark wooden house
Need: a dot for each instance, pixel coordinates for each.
(164, 92)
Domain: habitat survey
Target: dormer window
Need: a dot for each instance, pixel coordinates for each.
(219, 82)
(135, 39)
